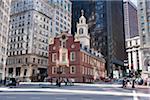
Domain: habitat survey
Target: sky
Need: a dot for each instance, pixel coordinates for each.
(134, 1)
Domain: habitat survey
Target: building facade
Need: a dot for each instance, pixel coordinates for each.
(4, 28)
(134, 53)
(106, 29)
(71, 58)
(30, 28)
(62, 15)
(144, 33)
(130, 20)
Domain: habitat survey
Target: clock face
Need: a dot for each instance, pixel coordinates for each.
(63, 37)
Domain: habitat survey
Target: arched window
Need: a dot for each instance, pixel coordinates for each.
(81, 31)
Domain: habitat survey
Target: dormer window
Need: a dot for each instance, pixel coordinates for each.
(81, 31)
(81, 21)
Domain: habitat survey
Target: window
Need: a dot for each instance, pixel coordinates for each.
(25, 72)
(64, 44)
(33, 59)
(33, 72)
(54, 70)
(10, 70)
(82, 69)
(81, 31)
(18, 69)
(63, 57)
(38, 61)
(72, 69)
(54, 57)
(144, 39)
(72, 56)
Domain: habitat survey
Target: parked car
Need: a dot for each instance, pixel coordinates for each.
(11, 82)
(139, 81)
(107, 79)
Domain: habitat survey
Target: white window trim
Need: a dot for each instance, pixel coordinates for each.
(54, 70)
(53, 55)
(71, 59)
(71, 70)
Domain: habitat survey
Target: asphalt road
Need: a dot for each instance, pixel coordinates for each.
(60, 96)
(81, 93)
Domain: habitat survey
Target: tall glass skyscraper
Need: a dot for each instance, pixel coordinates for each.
(106, 28)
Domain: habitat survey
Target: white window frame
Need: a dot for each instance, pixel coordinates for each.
(53, 57)
(71, 56)
(71, 71)
(54, 70)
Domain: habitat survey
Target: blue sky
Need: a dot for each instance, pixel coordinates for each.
(134, 1)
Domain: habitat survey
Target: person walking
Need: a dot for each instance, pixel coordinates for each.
(124, 83)
(133, 83)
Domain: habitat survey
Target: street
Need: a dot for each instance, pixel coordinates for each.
(79, 92)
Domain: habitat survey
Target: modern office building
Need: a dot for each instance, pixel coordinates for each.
(4, 28)
(144, 33)
(130, 20)
(62, 15)
(72, 58)
(106, 28)
(30, 28)
(134, 53)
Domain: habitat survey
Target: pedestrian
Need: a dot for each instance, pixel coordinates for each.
(133, 83)
(65, 80)
(124, 83)
(57, 82)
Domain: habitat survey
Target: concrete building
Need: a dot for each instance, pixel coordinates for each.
(144, 33)
(70, 57)
(4, 28)
(106, 29)
(62, 15)
(134, 53)
(130, 20)
(30, 28)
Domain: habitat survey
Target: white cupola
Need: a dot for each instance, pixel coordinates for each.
(82, 34)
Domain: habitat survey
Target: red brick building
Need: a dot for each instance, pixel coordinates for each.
(74, 58)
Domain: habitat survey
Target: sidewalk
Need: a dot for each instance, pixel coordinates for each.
(138, 86)
(46, 86)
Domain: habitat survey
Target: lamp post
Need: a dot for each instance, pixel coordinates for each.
(59, 71)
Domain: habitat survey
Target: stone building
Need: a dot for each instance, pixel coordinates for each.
(30, 28)
(134, 53)
(143, 8)
(4, 28)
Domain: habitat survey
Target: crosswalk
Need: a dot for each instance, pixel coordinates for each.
(79, 89)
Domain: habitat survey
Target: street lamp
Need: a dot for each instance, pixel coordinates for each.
(59, 71)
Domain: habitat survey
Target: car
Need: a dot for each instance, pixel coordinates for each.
(11, 82)
(107, 79)
(139, 81)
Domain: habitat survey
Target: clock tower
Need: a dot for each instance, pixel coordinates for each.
(82, 34)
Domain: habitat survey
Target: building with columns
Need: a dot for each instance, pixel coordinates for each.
(70, 57)
(4, 28)
(30, 28)
(134, 53)
(144, 33)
